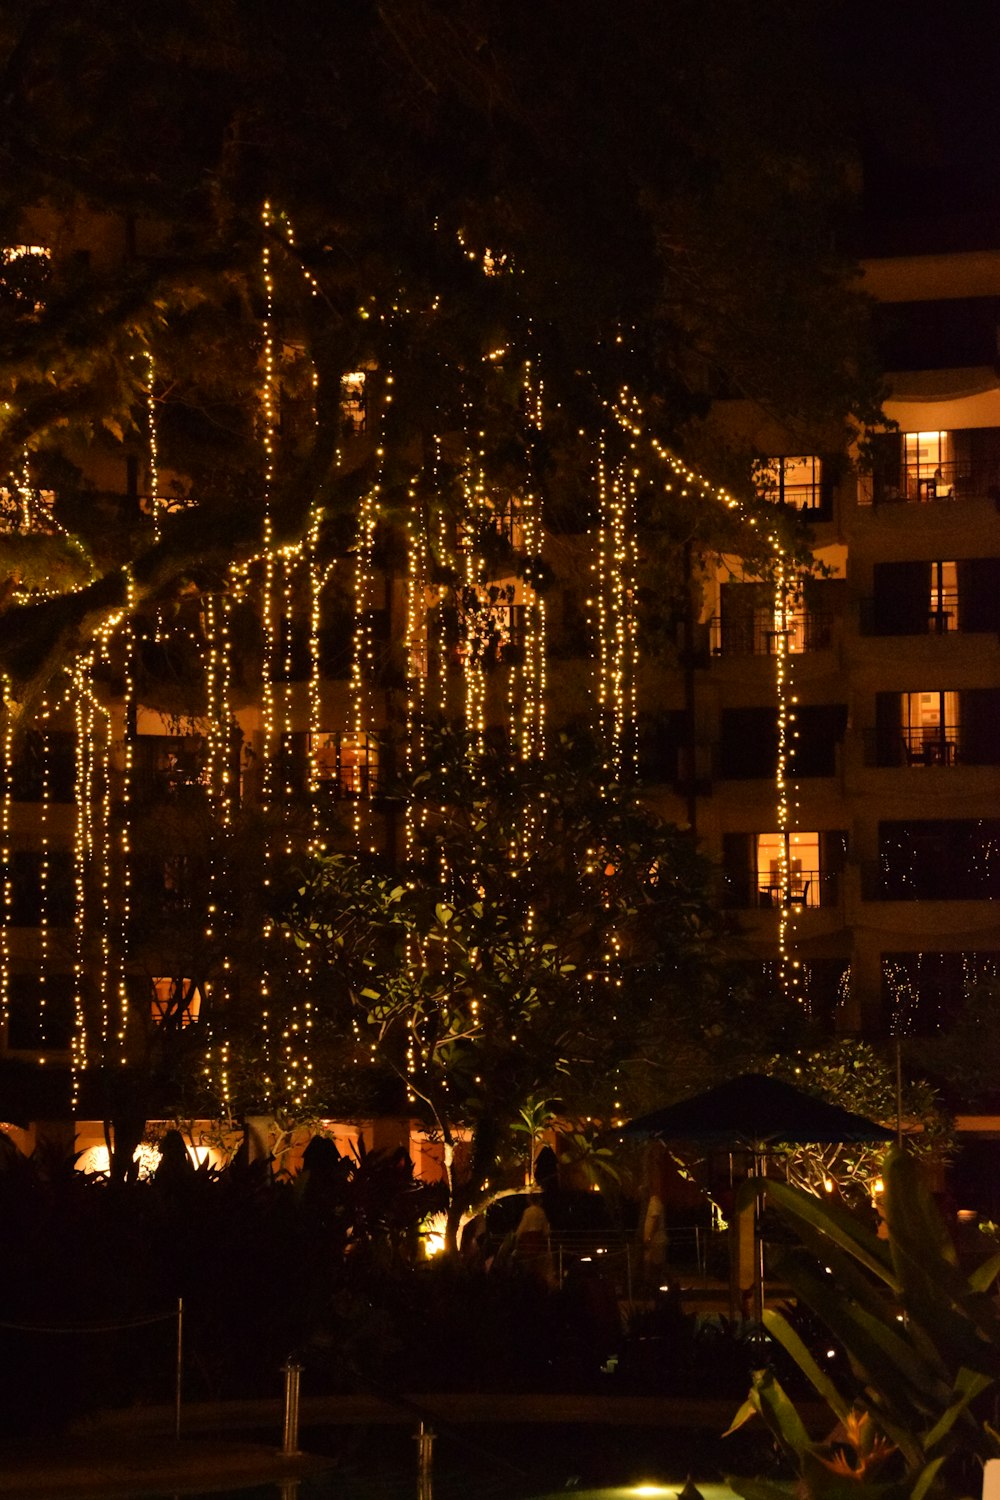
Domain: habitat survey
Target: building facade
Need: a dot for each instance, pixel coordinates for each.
(833, 735)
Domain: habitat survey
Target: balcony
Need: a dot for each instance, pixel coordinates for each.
(920, 745)
(761, 634)
(806, 888)
(940, 617)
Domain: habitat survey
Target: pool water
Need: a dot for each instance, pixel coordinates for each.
(447, 1487)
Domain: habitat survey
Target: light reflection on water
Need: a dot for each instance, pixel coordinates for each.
(448, 1487)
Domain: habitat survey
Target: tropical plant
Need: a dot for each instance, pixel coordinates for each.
(921, 1336)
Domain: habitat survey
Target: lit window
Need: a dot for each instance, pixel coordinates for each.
(943, 608)
(930, 727)
(24, 274)
(928, 465)
(347, 762)
(791, 481)
(788, 869)
(176, 1002)
(353, 402)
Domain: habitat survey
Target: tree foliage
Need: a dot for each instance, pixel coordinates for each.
(548, 932)
(619, 170)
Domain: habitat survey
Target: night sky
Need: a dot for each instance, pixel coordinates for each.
(920, 84)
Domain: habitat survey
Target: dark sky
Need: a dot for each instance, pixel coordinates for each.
(922, 84)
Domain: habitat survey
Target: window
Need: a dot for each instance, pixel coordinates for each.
(748, 747)
(928, 465)
(41, 888)
(291, 660)
(930, 727)
(817, 730)
(936, 728)
(44, 768)
(943, 607)
(776, 869)
(176, 1003)
(492, 624)
(946, 859)
(788, 869)
(168, 768)
(921, 467)
(920, 598)
(24, 279)
(41, 1012)
(346, 762)
(923, 992)
(750, 625)
(354, 402)
(796, 481)
(168, 886)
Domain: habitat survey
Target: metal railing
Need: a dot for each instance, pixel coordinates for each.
(924, 484)
(806, 888)
(761, 633)
(922, 745)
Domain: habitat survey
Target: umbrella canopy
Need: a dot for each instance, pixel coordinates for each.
(756, 1111)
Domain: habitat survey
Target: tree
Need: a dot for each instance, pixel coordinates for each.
(547, 929)
(246, 206)
(401, 149)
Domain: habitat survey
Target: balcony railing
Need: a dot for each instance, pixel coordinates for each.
(923, 745)
(761, 633)
(924, 484)
(877, 616)
(807, 888)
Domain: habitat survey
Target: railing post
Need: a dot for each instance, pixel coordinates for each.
(425, 1461)
(290, 1440)
(179, 1373)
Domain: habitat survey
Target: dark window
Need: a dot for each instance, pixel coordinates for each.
(979, 727)
(662, 740)
(902, 602)
(748, 746)
(41, 1015)
(955, 859)
(942, 335)
(44, 768)
(820, 728)
(924, 992)
(979, 594)
(40, 884)
(338, 632)
(824, 986)
(168, 768)
(291, 660)
(169, 885)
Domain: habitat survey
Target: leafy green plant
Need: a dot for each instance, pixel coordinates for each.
(922, 1338)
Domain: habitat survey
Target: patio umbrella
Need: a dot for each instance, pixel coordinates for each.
(754, 1113)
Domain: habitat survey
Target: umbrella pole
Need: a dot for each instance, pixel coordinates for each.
(758, 1247)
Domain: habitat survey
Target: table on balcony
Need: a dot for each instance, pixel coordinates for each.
(775, 896)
